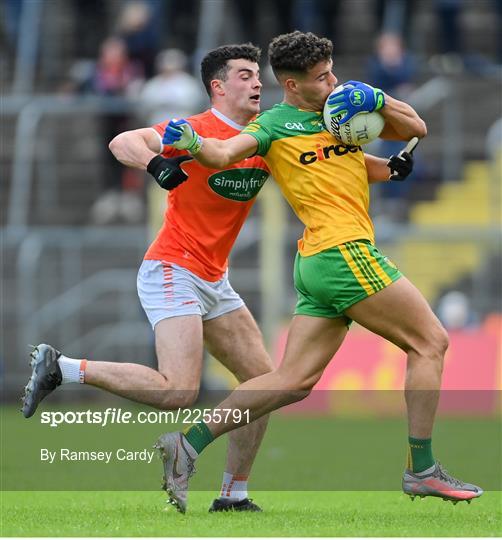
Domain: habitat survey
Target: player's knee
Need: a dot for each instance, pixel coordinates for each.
(433, 345)
(296, 392)
(440, 346)
(443, 341)
(307, 383)
(255, 370)
(187, 398)
(300, 385)
(437, 343)
(178, 399)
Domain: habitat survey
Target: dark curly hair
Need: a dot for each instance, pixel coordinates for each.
(215, 64)
(298, 51)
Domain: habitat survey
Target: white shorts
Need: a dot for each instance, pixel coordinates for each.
(168, 290)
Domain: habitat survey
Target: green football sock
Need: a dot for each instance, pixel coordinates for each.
(199, 436)
(420, 454)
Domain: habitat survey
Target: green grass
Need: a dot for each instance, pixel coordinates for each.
(326, 454)
(314, 476)
(387, 513)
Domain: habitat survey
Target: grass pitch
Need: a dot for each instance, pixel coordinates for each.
(362, 513)
(344, 484)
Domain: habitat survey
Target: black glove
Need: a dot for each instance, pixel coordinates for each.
(400, 166)
(167, 171)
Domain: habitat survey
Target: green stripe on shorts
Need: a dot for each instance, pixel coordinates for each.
(365, 266)
(331, 281)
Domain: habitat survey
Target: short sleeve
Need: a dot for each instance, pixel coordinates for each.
(261, 134)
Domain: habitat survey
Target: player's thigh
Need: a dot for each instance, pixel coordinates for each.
(235, 340)
(401, 314)
(312, 342)
(178, 343)
(174, 304)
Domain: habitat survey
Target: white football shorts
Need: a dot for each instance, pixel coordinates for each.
(168, 290)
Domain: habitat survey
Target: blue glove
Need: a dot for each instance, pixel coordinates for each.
(355, 97)
(180, 134)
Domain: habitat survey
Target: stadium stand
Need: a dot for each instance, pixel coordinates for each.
(67, 166)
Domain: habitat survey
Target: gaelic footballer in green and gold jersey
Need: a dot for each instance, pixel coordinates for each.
(325, 181)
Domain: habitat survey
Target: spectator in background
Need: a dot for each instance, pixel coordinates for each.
(180, 24)
(394, 17)
(11, 12)
(89, 14)
(115, 74)
(319, 17)
(393, 69)
(173, 91)
(448, 14)
(454, 55)
(449, 59)
(253, 21)
(137, 27)
(454, 311)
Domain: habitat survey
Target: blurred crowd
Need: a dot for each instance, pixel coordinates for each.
(131, 64)
(147, 50)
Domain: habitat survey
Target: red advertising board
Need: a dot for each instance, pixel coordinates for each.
(367, 363)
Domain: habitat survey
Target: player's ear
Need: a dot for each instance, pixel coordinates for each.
(217, 87)
(291, 85)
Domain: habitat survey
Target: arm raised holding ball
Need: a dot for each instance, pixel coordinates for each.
(402, 122)
(355, 97)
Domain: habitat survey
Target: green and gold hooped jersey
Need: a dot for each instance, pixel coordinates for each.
(324, 181)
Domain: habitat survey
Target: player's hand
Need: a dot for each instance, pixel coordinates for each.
(356, 97)
(180, 134)
(167, 171)
(402, 164)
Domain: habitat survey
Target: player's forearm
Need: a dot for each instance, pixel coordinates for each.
(377, 169)
(401, 121)
(132, 150)
(213, 154)
(210, 152)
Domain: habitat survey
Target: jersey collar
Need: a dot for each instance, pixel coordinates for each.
(227, 120)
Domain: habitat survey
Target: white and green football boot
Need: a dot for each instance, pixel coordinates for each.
(179, 466)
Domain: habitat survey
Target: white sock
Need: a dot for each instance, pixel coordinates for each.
(234, 486)
(73, 370)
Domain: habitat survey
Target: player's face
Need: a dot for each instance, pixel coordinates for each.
(242, 88)
(317, 85)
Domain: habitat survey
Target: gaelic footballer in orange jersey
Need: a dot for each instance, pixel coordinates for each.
(183, 284)
(206, 213)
